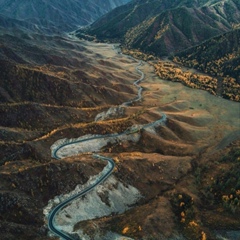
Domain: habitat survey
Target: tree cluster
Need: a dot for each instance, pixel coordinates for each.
(170, 71)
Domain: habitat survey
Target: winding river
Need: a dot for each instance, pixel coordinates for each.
(110, 163)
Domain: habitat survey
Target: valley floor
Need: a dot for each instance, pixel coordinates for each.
(178, 169)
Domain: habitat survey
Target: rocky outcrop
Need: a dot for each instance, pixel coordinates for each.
(113, 112)
(112, 197)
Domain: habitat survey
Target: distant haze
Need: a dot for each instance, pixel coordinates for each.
(60, 14)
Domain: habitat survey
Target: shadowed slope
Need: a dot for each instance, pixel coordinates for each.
(57, 15)
(164, 27)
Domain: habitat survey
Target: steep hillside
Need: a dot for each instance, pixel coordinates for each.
(50, 81)
(219, 56)
(7, 23)
(63, 15)
(164, 27)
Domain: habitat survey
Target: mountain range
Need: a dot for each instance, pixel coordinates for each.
(163, 27)
(56, 15)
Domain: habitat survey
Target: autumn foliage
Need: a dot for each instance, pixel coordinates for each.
(170, 71)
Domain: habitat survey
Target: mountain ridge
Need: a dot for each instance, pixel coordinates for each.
(220, 57)
(62, 15)
(162, 27)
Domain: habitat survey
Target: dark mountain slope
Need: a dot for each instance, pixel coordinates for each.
(163, 27)
(17, 26)
(219, 56)
(177, 31)
(65, 15)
